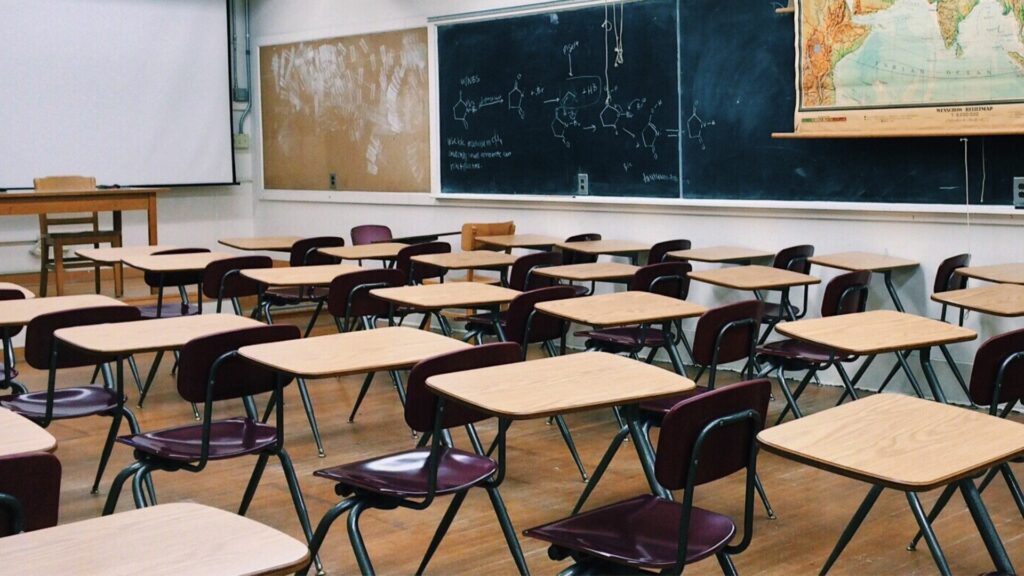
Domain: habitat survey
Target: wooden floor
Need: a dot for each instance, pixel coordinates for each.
(542, 484)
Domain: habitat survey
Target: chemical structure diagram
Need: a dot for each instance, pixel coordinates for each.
(463, 108)
(695, 126)
(515, 98)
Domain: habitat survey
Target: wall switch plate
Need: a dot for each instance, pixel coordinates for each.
(582, 184)
(1018, 192)
(241, 141)
(332, 181)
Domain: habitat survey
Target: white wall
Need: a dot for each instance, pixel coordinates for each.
(928, 234)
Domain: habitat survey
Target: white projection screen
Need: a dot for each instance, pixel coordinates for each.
(133, 92)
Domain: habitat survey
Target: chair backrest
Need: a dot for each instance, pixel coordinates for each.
(154, 279)
(666, 278)
(794, 258)
(370, 233)
(64, 183)
(39, 339)
(727, 334)
(420, 272)
(33, 479)
(659, 250)
(946, 278)
(520, 277)
(574, 257)
(524, 326)
(349, 294)
(420, 407)
(217, 284)
(304, 252)
(471, 230)
(999, 362)
(234, 377)
(846, 294)
(8, 294)
(725, 450)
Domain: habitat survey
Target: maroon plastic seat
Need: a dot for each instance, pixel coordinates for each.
(73, 401)
(844, 294)
(179, 280)
(7, 371)
(521, 278)
(661, 249)
(222, 279)
(29, 492)
(645, 532)
(369, 234)
(234, 437)
(414, 478)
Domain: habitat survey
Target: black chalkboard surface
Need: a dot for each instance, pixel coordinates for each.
(527, 103)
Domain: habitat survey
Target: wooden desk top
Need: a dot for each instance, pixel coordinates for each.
(1001, 273)
(192, 262)
(391, 348)
(115, 255)
(447, 295)
(898, 441)
(606, 247)
(559, 385)
(11, 286)
(151, 335)
(168, 539)
(720, 254)
(428, 237)
(520, 240)
(300, 275)
(14, 196)
(19, 434)
(21, 312)
(591, 271)
(267, 243)
(856, 261)
(381, 250)
(754, 277)
(621, 309)
(472, 259)
(875, 332)
(996, 299)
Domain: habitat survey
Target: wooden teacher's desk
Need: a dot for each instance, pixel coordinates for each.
(113, 200)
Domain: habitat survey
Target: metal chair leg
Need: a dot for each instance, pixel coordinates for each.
(1014, 487)
(725, 562)
(507, 529)
(254, 482)
(936, 509)
(134, 367)
(307, 403)
(442, 529)
(108, 446)
(601, 467)
(117, 486)
(362, 393)
(764, 497)
(324, 526)
(852, 527)
(298, 501)
(567, 436)
(356, 538)
(150, 377)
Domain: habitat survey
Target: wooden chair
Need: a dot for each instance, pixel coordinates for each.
(470, 232)
(59, 240)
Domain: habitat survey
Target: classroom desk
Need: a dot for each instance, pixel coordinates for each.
(12, 286)
(19, 434)
(433, 298)
(756, 278)
(877, 332)
(563, 385)
(1000, 273)
(422, 238)
(469, 260)
(117, 255)
(168, 539)
(295, 277)
(1005, 300)
(634, 250)
(907, 444)
(626, 309)
(721, 255)
(590, 272)
(113, 200)
(162, 264)
(379, 251)
(510, 241)
(261, 243)
(875, 263)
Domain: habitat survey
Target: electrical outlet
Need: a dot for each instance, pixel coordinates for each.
(1018, 192)
(241, 141)
(582, 184)
(332, 181)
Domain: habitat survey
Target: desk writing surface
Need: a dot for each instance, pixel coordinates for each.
(169, 539)
(610, 247)
(115, 255)
(720, 254)
(559, 385)
(471, 259)
(996, 299)
(380, 250)
(519, 240)
(1001, 273)
(152, 334)
(300, 275)
(19, 434)
(875, 332)
(754, 277)
(189, 262)
(898, 441)
(11, 286)
(447, 295)
(390, 348)
(21, 312)
(621, 309)
(589, 271)
(855, 261)
(268, 243)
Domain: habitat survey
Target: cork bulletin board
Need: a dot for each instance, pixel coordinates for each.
(347, 113)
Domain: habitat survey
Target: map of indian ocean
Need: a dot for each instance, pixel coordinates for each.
(862, 54)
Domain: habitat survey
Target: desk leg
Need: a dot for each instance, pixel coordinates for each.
(929, 534)
(887, 277)
(670, 347)
(852, 527)
(985, 527)
(910, 374)
(929, 374)
(151, 215)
